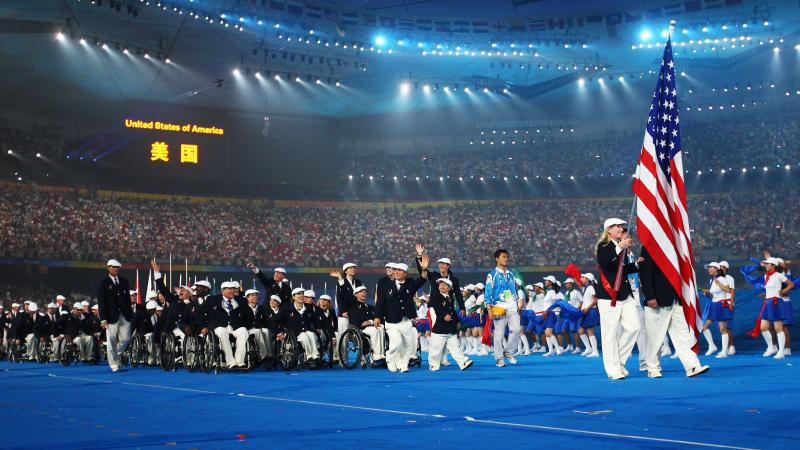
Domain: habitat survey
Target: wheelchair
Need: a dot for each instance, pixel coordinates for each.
(44, 351)
(69, 353)
(214, 358)
(16, 352)
(354, 349)
(291, 354)
(137, 351)
(170, 352)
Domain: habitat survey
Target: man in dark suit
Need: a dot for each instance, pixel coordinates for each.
(663, 313)
(116, 314)
(278, 285)
(396, 308)
(225, 319)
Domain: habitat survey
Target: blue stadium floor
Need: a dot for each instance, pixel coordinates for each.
(745, 401)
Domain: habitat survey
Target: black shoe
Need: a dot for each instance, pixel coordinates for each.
(378, 364)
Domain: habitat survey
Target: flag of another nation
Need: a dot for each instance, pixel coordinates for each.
(662, 222)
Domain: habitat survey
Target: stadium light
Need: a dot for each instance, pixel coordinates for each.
(380, 41)
(645, 35)
(60, 37)
(405, 87)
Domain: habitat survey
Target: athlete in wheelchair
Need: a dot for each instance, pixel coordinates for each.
(297, 341)
(179, 327)
(362, 343)
(256, 319)
(77, 338)
(228, 345)
(325, 321)
(145, 336)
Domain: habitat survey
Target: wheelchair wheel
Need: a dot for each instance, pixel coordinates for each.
(213, 356)
(69, 354)
(326, 352)
(43, 352)
(252, 357)
(192, 353)
(136, 349)
(288, 348)
(168, 352)
(19, 352)
(350, 347)
(418, 360)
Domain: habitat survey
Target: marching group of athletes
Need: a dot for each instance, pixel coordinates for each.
(502, 315)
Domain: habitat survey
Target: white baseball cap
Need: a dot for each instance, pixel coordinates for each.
(250, 291)
(229, 285)
(529, 287)
(113, 263)
(84, 303)
(479, 286)
(613, 221)
(33, 307)
(401, 266)
(389, 265)
(444, 261)
(589, 276)
(724, 264)
(774, 261)
(52, 305)
(445, 281)
(348, 265)
(713, 264)
(539, 285)
(203, 283)
(60, 297)
(310, 293)
(324, 297)
(95, 307)
(470, 287)
(275, 297)
(550, 278)
(569, 280)
(152, 304)
(298, 290)
(133, 293)
(280, 269)
(359, 289)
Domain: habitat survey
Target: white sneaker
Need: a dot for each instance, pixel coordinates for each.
(786, 352)
(617, 377)
(577, 350)
(433, 370)
(391, 366)
(624, 371)
(512, 360)
(711, 350)
(114, 368)
(654, 374)
(770, 351)
(482, 352)
(526, 353)
(548, 354)
(731, 350)
(569, 348)
(500, 363)
(779, 355)
(697, 371)
(593, 355)
(542, 349)
(721, 355)
(559, 351)
(585, 352)
(404, 370)
(445, 362)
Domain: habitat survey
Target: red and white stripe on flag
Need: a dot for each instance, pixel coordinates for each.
(662, 221)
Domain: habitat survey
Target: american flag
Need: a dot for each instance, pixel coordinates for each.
(662, 222)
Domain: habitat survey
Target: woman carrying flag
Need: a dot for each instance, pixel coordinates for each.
(615, 300)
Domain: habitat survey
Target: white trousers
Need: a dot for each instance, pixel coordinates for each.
(437, 346)
(670, 319)
(224, 333)
(309, 341)
(617, 349)
(57, 345)
(152, 353)
(85, 346)
(118, 336)
(376, 342)
(402, 343)
(33, 345)
(510, 319)
(263, 341)
(342, 323)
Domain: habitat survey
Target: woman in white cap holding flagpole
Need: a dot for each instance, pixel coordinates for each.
(615, 300)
